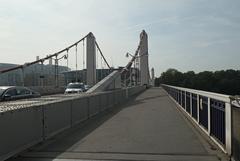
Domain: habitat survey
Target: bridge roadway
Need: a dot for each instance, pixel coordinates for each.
(149, 127)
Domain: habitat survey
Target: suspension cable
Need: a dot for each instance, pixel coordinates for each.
(41, 77)
(97, 64)
(83, 54)
(101, 67)
(100, 51)
(67, 58)
(45, 58)
(104, 67)
(134, 57)
(76, 62)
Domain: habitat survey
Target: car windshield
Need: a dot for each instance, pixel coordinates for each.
(75, 86)
(1, 91)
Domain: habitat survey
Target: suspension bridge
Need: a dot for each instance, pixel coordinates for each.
(121, 117)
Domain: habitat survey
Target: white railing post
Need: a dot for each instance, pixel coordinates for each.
(209, 116)
(228, 120)
(185, 104)
(181, 98)
(191, 104)
(198, 108)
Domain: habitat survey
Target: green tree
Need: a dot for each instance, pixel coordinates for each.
(226, 82)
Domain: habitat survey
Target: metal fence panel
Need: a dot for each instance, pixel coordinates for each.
(236, 132)
(57, 117)
(104, 101)
(175, 95)
(217, 116)
(183, 99)
(94, 105)
(111, 99)
(123, 96)
(178, 96)
(194, 107)
(188, 102)
(203, 111)
(79, 110)
(117, 97)
(20, 129)
(132, 91)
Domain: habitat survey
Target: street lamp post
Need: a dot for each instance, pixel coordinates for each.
(136, 65)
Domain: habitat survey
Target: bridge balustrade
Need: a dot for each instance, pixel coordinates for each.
(236, 132)
(24, 127)
(218, 118)
(210, 111)
(194, 106)
(183, 99)
(203, 111)
(188, 102)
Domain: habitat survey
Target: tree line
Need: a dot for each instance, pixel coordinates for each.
(223, 81)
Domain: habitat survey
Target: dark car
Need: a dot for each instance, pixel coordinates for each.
(8, 93)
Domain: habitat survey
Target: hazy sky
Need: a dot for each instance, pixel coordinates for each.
(183, 34)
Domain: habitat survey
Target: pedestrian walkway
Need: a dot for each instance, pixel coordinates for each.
(149, 127)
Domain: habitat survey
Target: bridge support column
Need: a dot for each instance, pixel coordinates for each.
(91, 60)
(143, 54)
(152, 77)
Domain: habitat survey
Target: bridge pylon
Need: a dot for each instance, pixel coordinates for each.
(152, 77)
(143, 56)
(91, 60)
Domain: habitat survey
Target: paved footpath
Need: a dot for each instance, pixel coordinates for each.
(149, 127)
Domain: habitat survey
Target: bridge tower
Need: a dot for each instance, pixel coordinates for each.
(91, 60)
(143, 55)
(152, 77)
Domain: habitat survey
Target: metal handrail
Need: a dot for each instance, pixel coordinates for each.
(235, 100)
(219, 131)
(218, 96)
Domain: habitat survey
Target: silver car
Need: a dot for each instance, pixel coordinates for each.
(74, 88)
(87, 87)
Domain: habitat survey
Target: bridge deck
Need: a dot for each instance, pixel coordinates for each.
(147, 128)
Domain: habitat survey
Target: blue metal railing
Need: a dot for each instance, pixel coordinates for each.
(188, 102)
(194, 107)
(236, 131)
(218, 120)
(203, 111)
(183, 99)
(208, 110)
